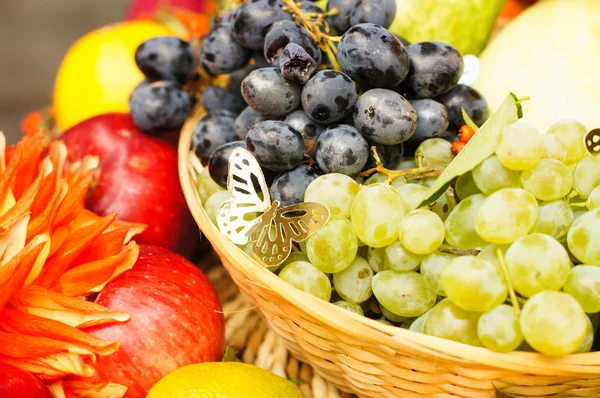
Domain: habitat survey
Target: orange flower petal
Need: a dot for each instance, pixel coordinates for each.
(15, 272)
(75, 244)
(79, 183)
(55, 365)
(85, 388)
(21, 346)
(31, 149)
(71, 311)
(43, 218)
(93, 276)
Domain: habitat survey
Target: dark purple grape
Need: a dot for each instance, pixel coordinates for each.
(432, 119)
(378, 12)
(434, 69)
(258, 59)
(269, 93)
(309, 129)
(139, 87)
(160, 106)
(166, 58)
(289, 187)
(284, 32)
(404, 42)
(341, 149)
(221, 54)
(215, 97)
(276, 145)
(296, 64)
(253, 19)
(213, 130)
(384, 117)
(236, 77)
(466, 97)
(341, 21)
(372, 56)
(389, 155)
(222, 20)
(449, 136)
(328, 96)
(309, 7)
(246, 119)
(218, 163)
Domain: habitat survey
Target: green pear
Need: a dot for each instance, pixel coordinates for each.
(465, 24)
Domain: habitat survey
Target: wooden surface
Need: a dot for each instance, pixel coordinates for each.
(34, 36)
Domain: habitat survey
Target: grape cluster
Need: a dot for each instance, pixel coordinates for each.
(364, 123)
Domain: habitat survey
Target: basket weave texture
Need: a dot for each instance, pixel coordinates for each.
(371, 359)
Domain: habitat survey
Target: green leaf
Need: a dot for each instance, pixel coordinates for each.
(480, 147)
(468, 121)
(230, 355)
(296, 381)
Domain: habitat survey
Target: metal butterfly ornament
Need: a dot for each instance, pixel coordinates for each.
(249, 216)
(592, 143)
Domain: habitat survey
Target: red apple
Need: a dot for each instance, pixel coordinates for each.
(176, 320)
(17, 383)
(137, 178)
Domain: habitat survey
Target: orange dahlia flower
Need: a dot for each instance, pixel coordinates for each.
(53, 255)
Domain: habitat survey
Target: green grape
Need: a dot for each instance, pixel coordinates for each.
(537, 262)
(375, 178)
(421, 231)
(520, 146)
(418, 325)
(398, 182)
(593, 201)
(490, 176)
(460, 224)
(583, 283)
(426, 182)
(586, 176)
(431, 267)
(350, 307)
(304, 276)
(354, 283)
(465, 186)
(553, 323)
(506, 215)
(391, 316)
(384, 321)
(434, 152)
(473, 283)
(206, 186)
(548, 180)
(405, 164)
(554, 219)
(442, 206)
(333, 248)
(499, 329)
(448, 321)
(403, 293)
(570, 133)
(554, 148)
(583, 237)
(376, 214)
(376, 258)
(293, 257)
(335, 191)
(412, 194)
(588, 340)
(214, 203)
(397, 258)
(595, 319)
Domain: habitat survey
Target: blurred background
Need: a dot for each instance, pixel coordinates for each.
(34, 36)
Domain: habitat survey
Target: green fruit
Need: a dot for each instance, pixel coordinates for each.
(465, 24)
(550, 53)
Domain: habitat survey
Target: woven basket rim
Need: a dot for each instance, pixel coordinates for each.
(362, 327)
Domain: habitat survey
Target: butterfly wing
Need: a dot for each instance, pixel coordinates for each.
(279, 227)
(592, 143)
(239, 215)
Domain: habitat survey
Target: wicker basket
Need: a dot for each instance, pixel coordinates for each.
(372, 359)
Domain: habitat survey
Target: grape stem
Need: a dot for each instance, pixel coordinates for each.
(459, 252)
(511, 291)
(408, 174)
(313, 22)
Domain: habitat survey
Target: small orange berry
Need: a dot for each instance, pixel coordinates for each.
(465, 133)
(457, 146)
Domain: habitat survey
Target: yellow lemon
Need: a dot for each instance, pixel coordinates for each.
(223, 379)
(99, 72)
